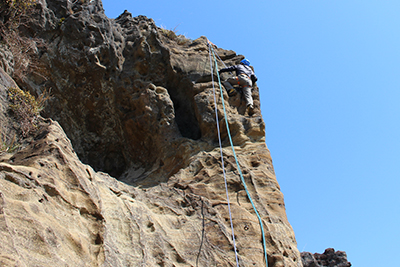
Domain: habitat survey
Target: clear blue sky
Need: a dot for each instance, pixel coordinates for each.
(329, 79)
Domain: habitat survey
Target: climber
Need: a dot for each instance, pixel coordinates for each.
(245, 78)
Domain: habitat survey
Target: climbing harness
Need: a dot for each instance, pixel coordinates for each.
(238, 81)
(211, 51)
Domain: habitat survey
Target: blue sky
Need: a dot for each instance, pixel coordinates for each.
(329, 79)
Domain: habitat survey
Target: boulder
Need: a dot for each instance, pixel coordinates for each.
(330, 258)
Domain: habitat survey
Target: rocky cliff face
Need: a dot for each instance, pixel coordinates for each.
(127, 172)
(330, 257)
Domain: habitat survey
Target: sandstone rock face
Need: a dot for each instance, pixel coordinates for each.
(128, 170)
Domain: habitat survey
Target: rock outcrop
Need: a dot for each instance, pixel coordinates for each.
(329, 258)
(127, 169)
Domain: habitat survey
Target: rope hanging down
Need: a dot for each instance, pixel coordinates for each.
(222, 158)
(234, 154)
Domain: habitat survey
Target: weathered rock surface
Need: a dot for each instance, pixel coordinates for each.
(330, 258)
(136, 178)
(6, 123)
(123, 85)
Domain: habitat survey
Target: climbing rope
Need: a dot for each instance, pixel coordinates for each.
(234, 154)
(202, 232)
(222, 158)
(219, 58)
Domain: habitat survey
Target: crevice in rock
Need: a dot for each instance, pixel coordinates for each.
(181, 93)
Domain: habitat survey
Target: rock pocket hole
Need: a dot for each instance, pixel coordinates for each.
(186, 119)
(98, 240)
(255, 164)
(151, 226)
(181, 93)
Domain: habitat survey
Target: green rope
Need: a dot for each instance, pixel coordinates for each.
(237, 162)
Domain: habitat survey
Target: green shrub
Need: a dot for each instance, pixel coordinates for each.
(26, 108)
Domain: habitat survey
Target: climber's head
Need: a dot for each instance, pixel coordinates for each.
(245, 62)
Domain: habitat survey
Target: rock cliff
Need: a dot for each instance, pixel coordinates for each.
(126, 170)
(330, 257)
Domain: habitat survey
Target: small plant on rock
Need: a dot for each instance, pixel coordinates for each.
(8, 146)
(14, 15)
(182, 40)
(26, 108)
(173, 35)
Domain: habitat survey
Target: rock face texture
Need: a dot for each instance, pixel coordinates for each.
(329, 258)
(127, 170)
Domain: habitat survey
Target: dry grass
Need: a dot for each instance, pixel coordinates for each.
(173, 35)
(13, 15)
(8, 146)
(24, 52)
(26, 108)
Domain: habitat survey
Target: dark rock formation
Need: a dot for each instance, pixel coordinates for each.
(136, 104)
(330, 258)
(103, 72)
